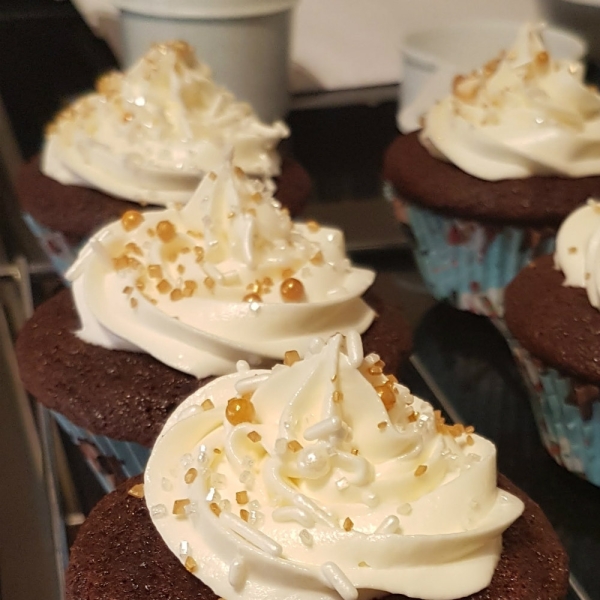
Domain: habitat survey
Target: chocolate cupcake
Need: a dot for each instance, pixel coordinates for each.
(165, 299)
(146, 136)
(553, 319)
(497, 166)
(307, 481)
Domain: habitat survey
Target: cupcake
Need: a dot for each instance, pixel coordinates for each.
(553, 318)
(162, 300)
(306, 481)
(497, 166)
(146, 136)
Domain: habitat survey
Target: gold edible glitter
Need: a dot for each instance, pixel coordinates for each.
(137, 491)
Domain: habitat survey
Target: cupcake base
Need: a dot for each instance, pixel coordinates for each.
(118, 554)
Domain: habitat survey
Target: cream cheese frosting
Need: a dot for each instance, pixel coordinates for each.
(148, 135)
(521, 115)
(225, 277)
(324, 478)
(577, 252)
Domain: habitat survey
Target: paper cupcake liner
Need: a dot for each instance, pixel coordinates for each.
(111, 461)
(572, 441)
(470, 264)
(60, 253)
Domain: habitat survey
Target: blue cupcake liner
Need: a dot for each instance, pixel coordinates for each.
(572, 441)
(468, 263)
(111, 461)
(54, 244)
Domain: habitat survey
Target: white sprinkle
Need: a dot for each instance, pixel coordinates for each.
(184, 549)
(254, 307)
(224, 505)
(212, 271)
(203, 457)
(213, 495)
(187, 460)
(322, 429)
(231, 277)
(281, 446)
(237, 573)
(284, 514)
(306, 538)
(158, 511)
(316, 345)
(372, 358)
(370, 499)
(242, 366)
(250, 534)
(100, 250)
(190, 509)
(342, 484)
(474, 505)
(166, 484)
(390, 524)
(404, 509)
(247, 462)
(254, 505)
(249, 384)
(314, 510)
(355, 349)
(256, 518)
(217, 480)
(247, 479)
(339, 581)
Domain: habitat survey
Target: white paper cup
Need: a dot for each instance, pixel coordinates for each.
(245, 42)
(433, 57)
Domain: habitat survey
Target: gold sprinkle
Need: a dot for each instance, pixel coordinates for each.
(131, 219)
(287, 273)
(470, 441)
(163, 286)
(313, 226)
(317, 259)
(190, 564)
(133, 248)
(190, 475)
(150, 232)
(176, 295)
(254, 436)
(294, 446)
(195, 234)
(120, 262)
(244, 514)
(412, 418)
(238, 171)
(189, 287)
(217, 450)
(209, 282)
(572, 250)
(133, 302)
(212, 175)
(348, 524)
(180, 269)
(252, 297)
(179, 506)
(127, 290)
(230, 214)
(140, 284)
(256, 197)
(587, 276)
(155, 271)
(165, 231)
(137, 491)
(291, 357)
(214, 507)
(207, 405)
(392, 378)
(354, 451)
(375, 370)
(382, 425)
(469, 429)
(420, 470)
(337, 396)
(241, 497)
(386, 394)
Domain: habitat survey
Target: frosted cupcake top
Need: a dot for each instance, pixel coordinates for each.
(227, 276)
(148, 135)
(520, 115)
(325, 478)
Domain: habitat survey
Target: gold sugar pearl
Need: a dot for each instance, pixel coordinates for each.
(190, 475)
(348, 524)
(166, 231)
(179, 506)
(242, 497)
(240, 410)
(131, 219)
(190, 564)
(292, 290)
(291, 357)
(420, 470)
(137, 491)
(252, 297)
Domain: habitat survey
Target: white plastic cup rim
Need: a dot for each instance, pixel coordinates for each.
(205, 9)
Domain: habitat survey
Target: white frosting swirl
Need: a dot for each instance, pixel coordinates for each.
(149, 134)
(200, 287)
(521, 115)
(578, 250)
(328, 490)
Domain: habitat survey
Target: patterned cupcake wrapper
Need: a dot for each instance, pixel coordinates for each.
(111, 461)
(60, 253)
(572, 441)
(470, 264)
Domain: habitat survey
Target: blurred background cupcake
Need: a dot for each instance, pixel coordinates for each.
(162, 300)
(146, 137)
(497, 165)
(553, 320)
